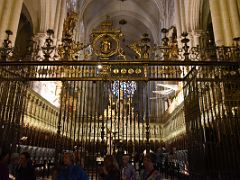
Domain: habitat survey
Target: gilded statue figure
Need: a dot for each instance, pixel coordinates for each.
(70, 23)
(105, 46)
(146, 52)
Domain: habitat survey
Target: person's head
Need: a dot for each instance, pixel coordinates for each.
(125, 159)
(110, 163)
(24, 159)
(149, 161)
(68, 159)
(14, 158)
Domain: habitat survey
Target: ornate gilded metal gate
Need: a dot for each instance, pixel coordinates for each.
(103, 117)
(100, 115)
(212, 121)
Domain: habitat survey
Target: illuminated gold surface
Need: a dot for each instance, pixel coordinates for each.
(106, 40)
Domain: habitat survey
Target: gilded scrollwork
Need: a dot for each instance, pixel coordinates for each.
(136, 48)
(69, 49)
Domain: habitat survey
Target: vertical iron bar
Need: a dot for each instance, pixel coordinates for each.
(95, 113)
(66, 118)
(91, 111)
(73, 87)
(87, 129)
(119, 108)
(76, 125)
(83, 149)
(111, 118)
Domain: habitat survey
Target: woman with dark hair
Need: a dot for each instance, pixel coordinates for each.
(110, 169)
(150, 172)
(25, 169)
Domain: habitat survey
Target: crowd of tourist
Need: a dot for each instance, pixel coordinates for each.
(14, 166)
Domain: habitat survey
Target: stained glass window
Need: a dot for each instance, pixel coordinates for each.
(71, 5)
(127, 87)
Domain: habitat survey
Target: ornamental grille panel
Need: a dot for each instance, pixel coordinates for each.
(212, 124)
(113, 110)
(112, 102)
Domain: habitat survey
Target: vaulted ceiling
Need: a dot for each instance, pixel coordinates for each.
(142, 16)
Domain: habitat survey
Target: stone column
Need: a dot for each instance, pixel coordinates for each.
(57, 18)
(217, 22)
(238, 4)
(226, 25)
(53, 11)
(1, 8)
(234, 17)
(44, 16)
(61, 20)
(6, 13)
(182, 16)
(178, 18)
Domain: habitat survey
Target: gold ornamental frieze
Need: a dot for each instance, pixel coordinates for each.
(95, 70)
(67, 71)
(128, 71)
(166, 71)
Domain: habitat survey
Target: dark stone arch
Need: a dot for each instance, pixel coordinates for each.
(24, 32)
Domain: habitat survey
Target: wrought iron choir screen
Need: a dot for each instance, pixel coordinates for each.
(107, 105)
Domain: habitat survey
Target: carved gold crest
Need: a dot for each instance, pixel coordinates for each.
(106, 40)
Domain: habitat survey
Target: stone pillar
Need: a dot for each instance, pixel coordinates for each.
(178, 18)
(57, 18)
(61, 20)
(226, 25)
(44, 16)
(1, 8)
(234, 17)
(189, 8)
(5, 16)
(53, 11)
(217, 22)
(182, 16)
(238, 4)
